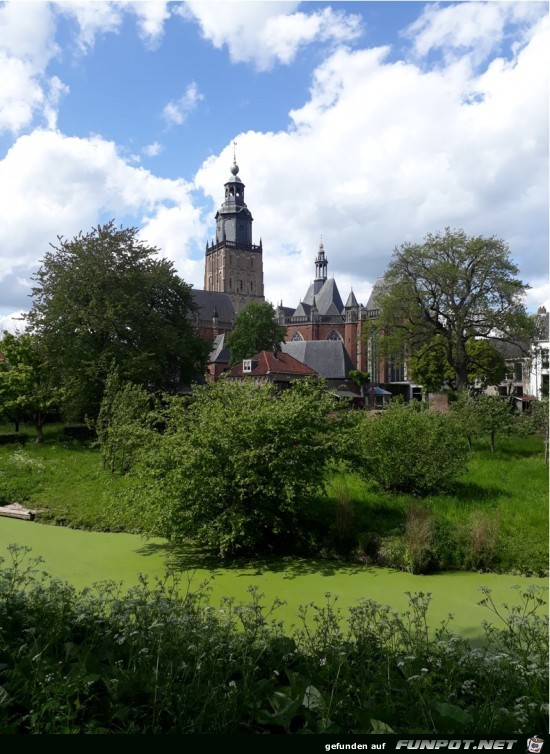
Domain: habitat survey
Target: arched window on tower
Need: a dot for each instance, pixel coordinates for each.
(296, 336)
(334, 335)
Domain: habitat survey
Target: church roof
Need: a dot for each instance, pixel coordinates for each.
(328, 298)
(352, 301)
(327, 357)
(213, 303)
(220, 353)
(378, 288)
(303, 310)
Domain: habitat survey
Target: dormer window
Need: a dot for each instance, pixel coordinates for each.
(247, 366)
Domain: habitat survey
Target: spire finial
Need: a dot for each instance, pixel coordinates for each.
(234, 167)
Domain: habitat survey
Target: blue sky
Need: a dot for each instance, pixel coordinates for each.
(367, 123)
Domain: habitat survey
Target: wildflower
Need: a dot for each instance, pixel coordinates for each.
(322, 661)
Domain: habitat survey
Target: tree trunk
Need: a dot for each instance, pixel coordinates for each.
(492, 442)
(461, 367)
(17, 423)
(38, 425)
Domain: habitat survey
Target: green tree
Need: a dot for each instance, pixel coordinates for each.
(123, 421)
(484, 415)
(429, 367)
(27, 392)
(457, 287)
(104, 298)
(411, 449)
(240, 467)
(255, 330)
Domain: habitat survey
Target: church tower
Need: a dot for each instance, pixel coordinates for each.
(233, 264)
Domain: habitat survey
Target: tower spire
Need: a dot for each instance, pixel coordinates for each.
(321, 263)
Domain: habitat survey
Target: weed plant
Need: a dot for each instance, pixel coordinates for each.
(151, 661)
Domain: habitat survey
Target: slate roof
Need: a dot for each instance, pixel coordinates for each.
(303, 310)
(327, 299)
(220, 353)
(352, 301)
(378, 288)
(210, 301)
(267, 363)
(328, 358)
(514, 350)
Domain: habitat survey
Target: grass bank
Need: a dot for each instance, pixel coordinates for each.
(495, 519)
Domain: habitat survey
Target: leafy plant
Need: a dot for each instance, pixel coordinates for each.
(410, 449)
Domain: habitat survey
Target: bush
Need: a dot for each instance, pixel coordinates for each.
(409, 449)
(239, 468)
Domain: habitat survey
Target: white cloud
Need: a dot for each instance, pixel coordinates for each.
(53, 185)
(152, 150)
(105, 17)
(176, 111)
(151, 15)
(93, 17)
(266, 33)
(11, 323)
(476, 27)
(385, 152)
(27, 45)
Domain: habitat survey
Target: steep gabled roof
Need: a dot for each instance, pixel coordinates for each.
(303, 310)
(352, 301)
(211, 302)
(267, 362)
(328, 298)
(220, 353)
(328, 358)
(379, 287)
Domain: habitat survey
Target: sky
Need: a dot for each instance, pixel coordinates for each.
(364, 124)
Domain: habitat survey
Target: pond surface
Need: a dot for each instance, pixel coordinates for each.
(83, 558)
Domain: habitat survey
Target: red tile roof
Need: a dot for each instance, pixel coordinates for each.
(268, 363)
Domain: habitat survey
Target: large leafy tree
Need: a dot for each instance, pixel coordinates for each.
(27, 392)
(454, 286)
(105, 298)
(429, 366)
(255, 330)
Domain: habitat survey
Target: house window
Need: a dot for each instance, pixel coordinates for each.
(518, 371)
(545, 358)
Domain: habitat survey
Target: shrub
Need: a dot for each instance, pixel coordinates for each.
(240, 467)
(410, 449)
